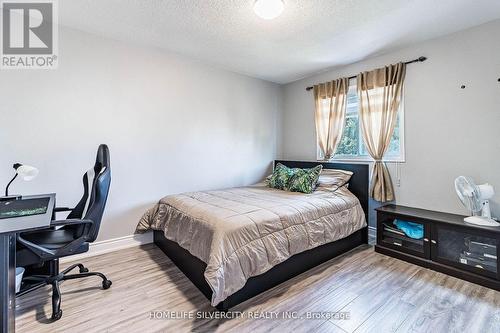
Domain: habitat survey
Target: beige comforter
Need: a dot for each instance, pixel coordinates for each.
(243, 232)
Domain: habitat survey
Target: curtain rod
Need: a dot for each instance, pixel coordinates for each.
(419, 59)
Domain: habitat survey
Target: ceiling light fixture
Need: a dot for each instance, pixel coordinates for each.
(268, 9)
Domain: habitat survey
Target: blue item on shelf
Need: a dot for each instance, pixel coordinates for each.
(412, 230)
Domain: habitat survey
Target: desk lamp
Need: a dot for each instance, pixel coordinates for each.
(26, 172)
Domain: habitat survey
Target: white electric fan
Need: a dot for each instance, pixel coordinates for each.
(475, 198)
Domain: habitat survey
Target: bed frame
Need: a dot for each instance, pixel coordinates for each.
(194, 268)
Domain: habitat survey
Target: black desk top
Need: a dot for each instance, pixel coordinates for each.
(31, 222)
(431, 216)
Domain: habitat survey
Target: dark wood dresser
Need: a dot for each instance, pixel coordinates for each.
(440, 241)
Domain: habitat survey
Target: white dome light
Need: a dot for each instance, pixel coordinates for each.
(268, 9)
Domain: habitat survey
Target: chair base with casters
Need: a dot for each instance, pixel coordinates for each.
(35, 282)
(38, 281)
(42, 249)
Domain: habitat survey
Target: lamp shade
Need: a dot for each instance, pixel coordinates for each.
(27, 172)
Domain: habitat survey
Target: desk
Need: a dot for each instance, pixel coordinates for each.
(8, 229)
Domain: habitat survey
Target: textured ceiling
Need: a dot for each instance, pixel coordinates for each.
(310, 35)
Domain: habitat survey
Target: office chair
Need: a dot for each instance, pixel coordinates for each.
(68, 237)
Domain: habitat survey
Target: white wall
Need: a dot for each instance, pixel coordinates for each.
(175, 125)
(448, 131)
(172, 125)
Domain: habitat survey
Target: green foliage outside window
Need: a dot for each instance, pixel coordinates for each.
(349, 144)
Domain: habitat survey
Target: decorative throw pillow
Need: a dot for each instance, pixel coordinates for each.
(280, 177)
(304, 180)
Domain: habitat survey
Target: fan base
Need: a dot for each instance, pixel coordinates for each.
(481, 220)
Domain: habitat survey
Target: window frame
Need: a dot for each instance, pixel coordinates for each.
(401, 158)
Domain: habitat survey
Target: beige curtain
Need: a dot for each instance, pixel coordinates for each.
(331, 100)
(380, 93)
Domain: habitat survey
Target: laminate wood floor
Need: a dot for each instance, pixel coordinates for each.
(373, 292)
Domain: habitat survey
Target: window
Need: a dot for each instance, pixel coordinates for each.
(351, 146)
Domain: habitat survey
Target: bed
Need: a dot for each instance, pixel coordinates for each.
(236, 243)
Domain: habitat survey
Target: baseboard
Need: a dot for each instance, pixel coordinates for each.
(110, 245)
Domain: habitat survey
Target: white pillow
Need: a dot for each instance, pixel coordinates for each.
(332, 179)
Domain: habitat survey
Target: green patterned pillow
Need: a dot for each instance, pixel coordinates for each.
(280, 177)
(295, 180)
(304, 180)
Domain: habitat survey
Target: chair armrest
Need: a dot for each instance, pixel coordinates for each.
(62, 209)
(58, 223)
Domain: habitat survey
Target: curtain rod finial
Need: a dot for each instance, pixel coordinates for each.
(421, 59)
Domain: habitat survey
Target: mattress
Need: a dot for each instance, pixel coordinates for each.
(245, 231)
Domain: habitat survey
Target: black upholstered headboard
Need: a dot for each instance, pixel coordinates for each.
(358, 184)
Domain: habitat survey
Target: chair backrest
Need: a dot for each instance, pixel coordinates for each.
(96, 182)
